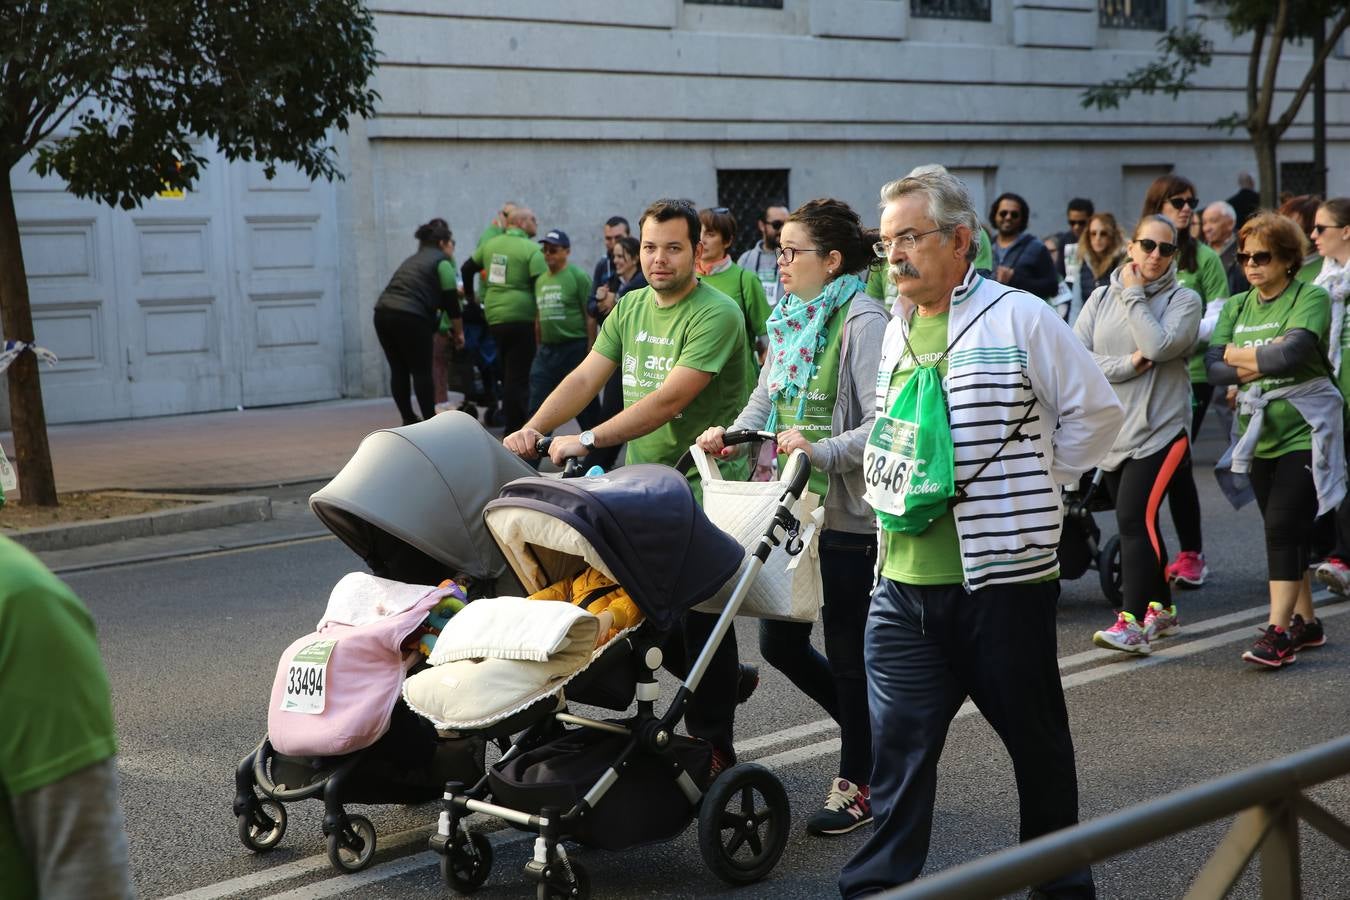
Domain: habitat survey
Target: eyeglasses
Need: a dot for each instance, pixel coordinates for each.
(788, 254)
(1096, 233)
(776, 224)
(1262, 258)
(1078, 223)
(1148, 245)
(1008, 214)
(1179, 202)
(907, 242)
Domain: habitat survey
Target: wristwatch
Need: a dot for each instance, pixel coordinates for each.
(587, 439)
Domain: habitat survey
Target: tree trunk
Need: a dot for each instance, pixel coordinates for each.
(33, 456)
(1264, 143)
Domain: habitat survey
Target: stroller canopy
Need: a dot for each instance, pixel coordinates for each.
(638, 524)
(425, 486)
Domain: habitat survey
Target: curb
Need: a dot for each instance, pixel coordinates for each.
(210, 512)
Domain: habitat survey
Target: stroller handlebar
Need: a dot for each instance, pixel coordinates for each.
(745, 436)
(573, 466)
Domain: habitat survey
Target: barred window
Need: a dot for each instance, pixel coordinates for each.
(1301, 178)
(761, 4)
(972, 10)
(747, 193)
(1142, 15)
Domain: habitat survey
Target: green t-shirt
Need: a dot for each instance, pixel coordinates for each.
(1310, 270)
(816, 402)
(933, 557)
(704, 331)
(511, 263)
(745, 289)
(1210, 281)
(489, 233)
(984, 252)
(54, 695)
(561, 299)
(1249, 321)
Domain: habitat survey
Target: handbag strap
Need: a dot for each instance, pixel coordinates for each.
(707, 470)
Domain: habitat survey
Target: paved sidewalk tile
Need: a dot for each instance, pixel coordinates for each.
(214, 451)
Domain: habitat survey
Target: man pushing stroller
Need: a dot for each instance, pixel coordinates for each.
(675, 340)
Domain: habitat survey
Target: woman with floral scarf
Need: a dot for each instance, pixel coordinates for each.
(817, 391)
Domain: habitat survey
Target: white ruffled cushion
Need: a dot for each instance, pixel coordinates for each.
(514, 628)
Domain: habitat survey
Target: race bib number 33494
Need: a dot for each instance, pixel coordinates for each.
(307, 678)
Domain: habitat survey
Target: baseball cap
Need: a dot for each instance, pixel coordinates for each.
(556, 238)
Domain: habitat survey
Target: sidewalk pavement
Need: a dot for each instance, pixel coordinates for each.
(286, 453)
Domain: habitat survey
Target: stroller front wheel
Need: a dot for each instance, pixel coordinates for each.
(261, 828)
(580, 888)
(466, 866)
(1110, 571)
(352, 847)
(743, 824)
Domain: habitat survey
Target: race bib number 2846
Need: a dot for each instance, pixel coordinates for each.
(307, 679)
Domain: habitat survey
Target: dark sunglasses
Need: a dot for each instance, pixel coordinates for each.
(1148, 245)
(776, 224)
(1257, 259)
(1078, 223)
(1100, 234)
(1318, 229)
(1008, 214)
(1179, 202)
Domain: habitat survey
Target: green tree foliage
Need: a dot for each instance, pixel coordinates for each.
(117, 96)
(1271, 24)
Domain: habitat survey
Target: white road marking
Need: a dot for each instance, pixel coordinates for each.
(1181, 647)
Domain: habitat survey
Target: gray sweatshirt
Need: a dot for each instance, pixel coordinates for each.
(854, 411)
(1162, 321)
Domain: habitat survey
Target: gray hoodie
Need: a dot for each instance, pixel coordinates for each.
(1161, 320)
(854, 410)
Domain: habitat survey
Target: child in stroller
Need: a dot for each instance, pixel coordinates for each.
(409, 503)
(610, 784)
(1080, 542)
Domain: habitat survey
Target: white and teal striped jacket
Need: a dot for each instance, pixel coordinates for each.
(1020, 352)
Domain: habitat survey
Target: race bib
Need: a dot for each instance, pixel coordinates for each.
(889, 464)
(307, 678)
(497, 269)
(908, 462)
(770, 282)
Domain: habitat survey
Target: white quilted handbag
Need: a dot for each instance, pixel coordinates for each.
(787, 587)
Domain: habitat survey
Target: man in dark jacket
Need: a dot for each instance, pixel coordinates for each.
(615, 228)
(1020, 260)
(1246, 201)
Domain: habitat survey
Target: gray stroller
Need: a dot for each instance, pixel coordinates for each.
(410, 504)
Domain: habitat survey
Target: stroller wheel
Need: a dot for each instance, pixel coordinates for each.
(579, 890)
(466, 866)
(261, 830)
(743, 824)
(352, 847)
(1109, 571)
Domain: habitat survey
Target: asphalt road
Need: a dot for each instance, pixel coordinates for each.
(191, 645)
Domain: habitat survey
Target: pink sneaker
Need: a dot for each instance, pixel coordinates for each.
(1335, 574)
(1160, 621)
(1188, 569)
(1125, 635)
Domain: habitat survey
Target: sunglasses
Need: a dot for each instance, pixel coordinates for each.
(1148, 245)
(776, 224)
(1256, 259)
(1007, 214)
(1099, 234)
(1077, 223)
(1318, 229)
(1179, 202)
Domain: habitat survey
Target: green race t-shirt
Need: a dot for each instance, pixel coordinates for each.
(1310, 270)
(812, 410)
(745, 289)
(704, 331)
(933, 557)
(561, 299)
(1210, 281)
(57, 708)
(511, 262)
(1249, 321)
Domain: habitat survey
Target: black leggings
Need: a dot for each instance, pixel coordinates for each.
(1288, 499)
(515, 349)
(838, 680)
(1137, 489)
(406, 339)
(1183, 500)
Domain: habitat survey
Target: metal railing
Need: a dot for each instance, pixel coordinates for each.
(972, 10)
(1267, 799)
(1144, 15)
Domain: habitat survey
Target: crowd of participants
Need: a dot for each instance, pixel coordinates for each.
(1098, 347)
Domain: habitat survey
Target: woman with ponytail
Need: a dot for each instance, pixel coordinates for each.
(817, 391)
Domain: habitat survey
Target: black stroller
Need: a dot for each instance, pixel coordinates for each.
(620, 783)
(1080, 542)
(409, 503)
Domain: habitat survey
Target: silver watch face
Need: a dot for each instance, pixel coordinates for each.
(587, 439)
